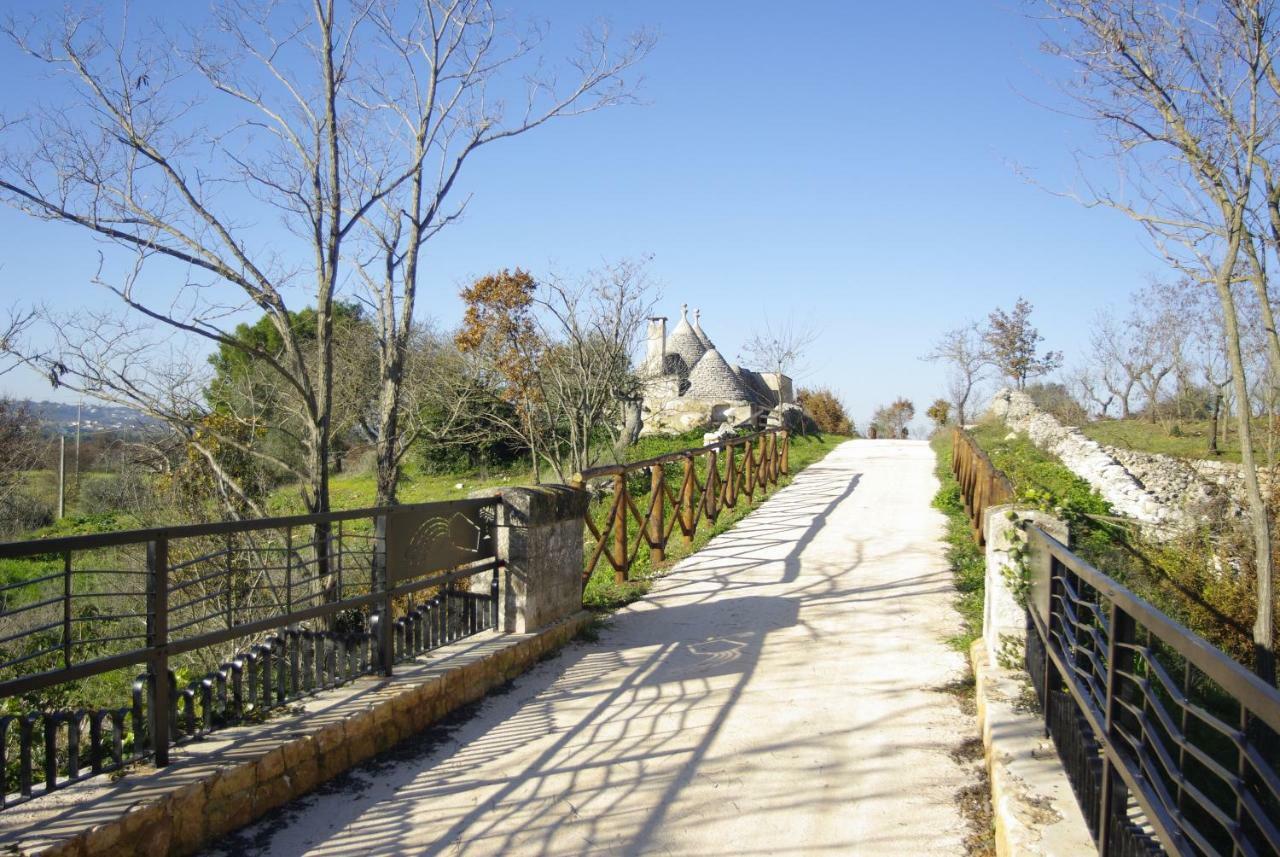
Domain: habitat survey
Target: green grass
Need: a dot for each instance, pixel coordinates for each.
(968, 565)
(1181, 439)
(603, 592)
(1182, 577)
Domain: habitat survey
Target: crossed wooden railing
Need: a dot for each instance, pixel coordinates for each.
(710, 479)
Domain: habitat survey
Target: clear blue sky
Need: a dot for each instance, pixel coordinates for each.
(845, 162)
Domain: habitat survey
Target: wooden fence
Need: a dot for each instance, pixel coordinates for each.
(981, 484)
(706, 481)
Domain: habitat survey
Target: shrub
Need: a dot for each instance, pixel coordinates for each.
(1056, 399)
(20, 513)
(826, 410)
(127, 491)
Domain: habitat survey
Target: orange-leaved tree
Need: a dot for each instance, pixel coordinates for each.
(499, 326)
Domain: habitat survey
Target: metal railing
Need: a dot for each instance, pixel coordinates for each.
(709, 479)
(1165, 739)
(1170, 745)
(981, 484)
(229, 620)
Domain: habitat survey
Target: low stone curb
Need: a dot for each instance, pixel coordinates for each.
(1031, 799)
(215, 786)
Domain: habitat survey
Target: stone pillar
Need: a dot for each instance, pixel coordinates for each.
(540, 537)
(1004, 621)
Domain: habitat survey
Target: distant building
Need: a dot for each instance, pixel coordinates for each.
(690, 385)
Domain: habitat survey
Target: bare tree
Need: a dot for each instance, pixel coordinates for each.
(348, 123)
(964, 352)
(1181, 94)
(780, 347)
(1091, 387)
(433, 79)
(12, 329)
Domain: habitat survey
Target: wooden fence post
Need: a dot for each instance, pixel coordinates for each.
(731, 475)
(658, 501)
(711, 489)
(621, 570)
(687, 517)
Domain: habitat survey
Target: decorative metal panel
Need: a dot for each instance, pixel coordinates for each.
(422, 541)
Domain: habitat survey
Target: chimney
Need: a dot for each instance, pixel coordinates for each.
(656, 356)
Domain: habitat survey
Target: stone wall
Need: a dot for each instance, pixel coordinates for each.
(1085, 457)
(677, 416)
(1157, 490)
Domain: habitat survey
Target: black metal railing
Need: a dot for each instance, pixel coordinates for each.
(1169, 744)
(229, 620)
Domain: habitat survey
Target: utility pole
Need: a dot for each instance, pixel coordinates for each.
(62, 476)
(79, 408)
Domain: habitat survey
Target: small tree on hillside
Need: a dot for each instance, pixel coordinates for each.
(891, 420)
(1013, 345)
(965, 353)
(939, 412)
(826, 410)
(561, 355)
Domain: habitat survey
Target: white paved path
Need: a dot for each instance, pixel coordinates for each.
(778, 693)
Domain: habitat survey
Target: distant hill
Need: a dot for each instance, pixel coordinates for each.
(94, 417)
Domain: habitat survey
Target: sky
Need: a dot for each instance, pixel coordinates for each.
(860, 167)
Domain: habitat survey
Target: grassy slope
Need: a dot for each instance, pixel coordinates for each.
(968, 566)
(1189, 440)
(1180, 577)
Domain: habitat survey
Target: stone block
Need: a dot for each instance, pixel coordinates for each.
(102, 838)
(158, 838)
(299, 752)
(303, 777)
(271, 766)
(229, 812)
(272, 793)
(186, 809)
(329, 738)
(1003, 615)
(234, 779)
(540, 538)
(334, 762)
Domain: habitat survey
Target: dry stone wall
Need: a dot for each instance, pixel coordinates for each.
(1159, 490)
(1086, 458)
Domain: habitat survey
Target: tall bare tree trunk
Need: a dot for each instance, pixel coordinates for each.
(1259, 517)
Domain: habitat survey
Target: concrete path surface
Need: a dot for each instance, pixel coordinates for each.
(778, 693)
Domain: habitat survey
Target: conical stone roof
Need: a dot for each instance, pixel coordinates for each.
(713, 379)
(685, 342)
(699, 332)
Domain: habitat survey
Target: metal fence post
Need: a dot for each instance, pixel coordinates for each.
(386, 655)
(157, 643)
(1112, 798)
